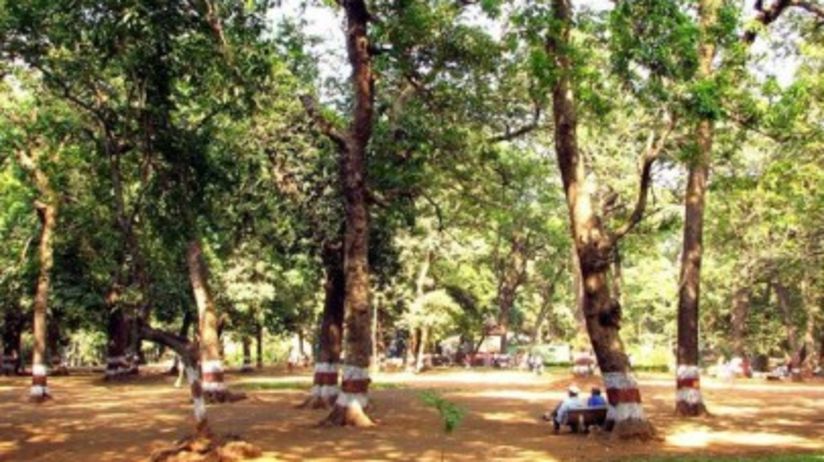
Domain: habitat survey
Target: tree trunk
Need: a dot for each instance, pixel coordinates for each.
(795, 349)
(740, 312)
(259, 345)
(118, 363)
(813, 311)
(214, 388)
(411, 353)
(592, 244)
(420, 356)
(578, 290)
(325, 387)
(688, 399)
(13, 324)
(190, 356)
(617, 275)
(353, 398)
(547, 294)
(512, 274)
(247, 354)
(47, 213)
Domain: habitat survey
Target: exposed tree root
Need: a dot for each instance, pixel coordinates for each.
(206, 448)
(224, 396)
(342, 416)
(634, 429)
(685, 409)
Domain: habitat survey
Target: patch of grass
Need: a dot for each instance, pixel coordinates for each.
(761, 458)
(297, 385)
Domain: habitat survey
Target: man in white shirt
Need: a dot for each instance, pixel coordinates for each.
(572, 401)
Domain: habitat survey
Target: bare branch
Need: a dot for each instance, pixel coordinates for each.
(812, 7)
(509, 135)
(766, 16)
(648, 158)
(325, 126)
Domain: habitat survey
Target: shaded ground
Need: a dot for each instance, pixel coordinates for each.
(93, 421)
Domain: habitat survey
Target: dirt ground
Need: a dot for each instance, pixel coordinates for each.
(90, 420)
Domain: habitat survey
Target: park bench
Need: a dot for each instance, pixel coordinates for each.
(582, 419)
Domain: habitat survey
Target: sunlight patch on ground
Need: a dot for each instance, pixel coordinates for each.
(704, 436)
(508, 417)
(522, 395)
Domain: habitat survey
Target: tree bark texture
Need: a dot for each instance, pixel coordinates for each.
(214, 388)
(325, 385)
(353, 398)
(689, 401)
(47, 213)
(592, 244)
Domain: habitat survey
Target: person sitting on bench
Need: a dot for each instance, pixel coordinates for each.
(559, 415)
(595, 398)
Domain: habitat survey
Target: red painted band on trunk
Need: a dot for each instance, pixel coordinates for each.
(616, 396)
(38, 380)
(326, 378)
(355, 386)
(213, 377)
(196, 389)
(583, 362)
(690, 382)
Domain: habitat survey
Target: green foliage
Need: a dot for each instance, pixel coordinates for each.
(451, 414)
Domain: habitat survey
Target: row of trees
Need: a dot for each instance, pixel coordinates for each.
(156, 139)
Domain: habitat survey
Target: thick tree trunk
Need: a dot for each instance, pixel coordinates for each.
(592, 244)
(214, 388)
(578, 290)
(688, 400)
(794, 347)
(325, 387)
(47, 213)
(118, 363)
(353, 398)
(13, 323)
(740, 312)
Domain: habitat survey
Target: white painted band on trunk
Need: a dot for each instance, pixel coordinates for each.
(687, 372)
(625, 411)
(214, 386)
(326, 368)
(353, 400)
(325, 391)
(212, 366)
(620, 380)
(191, 374)
(39, 390)
(38, 369)
(688, 395)
(580, 370)
(200, 409)
(355, 373)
